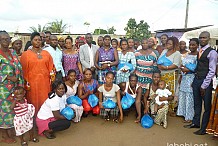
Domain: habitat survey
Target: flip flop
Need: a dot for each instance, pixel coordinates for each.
(35, 140)
(8, 141)
(49, 135)
(24, 143)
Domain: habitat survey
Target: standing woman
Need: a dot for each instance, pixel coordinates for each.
(37, 65)
(125, 57)
(106, 59)
(17, 45)
(186, 97)
(146, 65)
(10, 77)
(131, 45)
(168, 63)
(151, 45)
(163, 45)
(71, 58)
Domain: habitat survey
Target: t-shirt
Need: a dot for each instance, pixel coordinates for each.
(54, 104)
(111, 94)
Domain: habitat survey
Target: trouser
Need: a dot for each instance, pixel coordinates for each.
(196, 85)
(59, 125)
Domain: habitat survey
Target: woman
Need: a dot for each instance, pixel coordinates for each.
(186, 97)
(163, 45)
(110, 91)
(71, 58)
(125, 57)
(49, 119)
(87, 87)
(182, 49)
(106, 59)
(151, 45)
(168, 63)
(37, 67)
(145, 65)
(212, 127)
(135, 91)
(10, 77)
(17, 45)
(131, 45)
(61, 43)
(149, 101)
(72, 85)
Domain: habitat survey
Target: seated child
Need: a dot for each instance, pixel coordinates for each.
(161, 92)
(24, 112)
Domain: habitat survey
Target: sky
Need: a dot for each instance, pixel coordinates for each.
(19, 15)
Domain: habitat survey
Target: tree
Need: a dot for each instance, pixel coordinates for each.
(56, 26)
(100, 31)
(39, 29)
(134, 30)
(111, 30)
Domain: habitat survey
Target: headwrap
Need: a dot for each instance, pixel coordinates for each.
(154, 39)
(60, 37)
(14, 39)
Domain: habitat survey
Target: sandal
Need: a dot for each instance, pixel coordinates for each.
(115, 120)
(8, 141)
(49, 135)
(24, 143)
(35, 140)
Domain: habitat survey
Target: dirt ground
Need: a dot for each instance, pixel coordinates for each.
(94, 131)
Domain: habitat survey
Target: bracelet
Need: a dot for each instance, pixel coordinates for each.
(167, 67)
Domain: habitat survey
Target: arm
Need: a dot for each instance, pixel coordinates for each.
(62, 69)
(13, 104)
(100, 99)
(58, 115)
(96, 60)
(80, 67)
(116, 58)
(82, 57)
(80, 92)
(119, 105)
(133, 61)
(122, 88)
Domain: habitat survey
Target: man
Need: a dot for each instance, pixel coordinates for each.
(87, 53)
(202, 84)
(100, 41)
(47, 37)
(56, 54)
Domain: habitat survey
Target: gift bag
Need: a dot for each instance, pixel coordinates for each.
(74, 100)
(93, 100)
(127, 101)
(109, 104)
(147, 121)
(68, 113)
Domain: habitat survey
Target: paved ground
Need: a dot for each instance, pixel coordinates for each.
(94, 131)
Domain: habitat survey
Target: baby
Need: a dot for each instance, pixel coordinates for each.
(161, 92)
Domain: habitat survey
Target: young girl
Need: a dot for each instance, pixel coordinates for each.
(110, 91)
(49, 118)
(24, 112)
(72, 85)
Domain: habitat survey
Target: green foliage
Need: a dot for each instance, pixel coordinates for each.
(100, 31)
(56, 26)
(38, 29)
(111, 30)
(134, 30)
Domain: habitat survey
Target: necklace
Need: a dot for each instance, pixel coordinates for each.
(39, 56)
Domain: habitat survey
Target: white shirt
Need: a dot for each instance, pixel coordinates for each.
(54, 104)
(91, 56)
(57, 58)
(162, 93)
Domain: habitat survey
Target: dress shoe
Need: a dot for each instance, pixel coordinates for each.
(200, 132)
(191, 126)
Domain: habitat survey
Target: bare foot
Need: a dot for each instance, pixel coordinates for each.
(137, 120)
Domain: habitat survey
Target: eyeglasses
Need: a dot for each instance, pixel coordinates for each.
(6, 39)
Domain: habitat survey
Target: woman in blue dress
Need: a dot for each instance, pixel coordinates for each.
(186, 98)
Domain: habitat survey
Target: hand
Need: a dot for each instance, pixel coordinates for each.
(12, 78)
(104, 66)
(146, 110)
(90, 92)
(163, 98)
(202, 92)
(184, 69)
(125, 70)
(93, 69)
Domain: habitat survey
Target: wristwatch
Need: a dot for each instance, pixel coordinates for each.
(109, 65)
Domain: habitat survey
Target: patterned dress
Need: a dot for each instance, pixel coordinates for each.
(70, 62)
(145, 67)
(8, 66)
(186, 97)
(129, 57)
(105, 56)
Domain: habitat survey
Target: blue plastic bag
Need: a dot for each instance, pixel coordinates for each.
(126, 65)
(74, 100)
(127, 101)
(191, 66)
(147, 121)
(93, 100)
(164, 61)
(68, 113)
(109, 104)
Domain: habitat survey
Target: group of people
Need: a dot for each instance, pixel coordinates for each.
(166, 78)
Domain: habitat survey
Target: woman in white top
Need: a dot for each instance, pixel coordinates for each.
(110, 91)
(135, 91)
(72, 85)
(49, 119)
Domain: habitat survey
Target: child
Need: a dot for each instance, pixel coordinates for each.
(24, 112)
(161, 92)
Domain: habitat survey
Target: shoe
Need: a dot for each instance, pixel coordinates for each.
(49, 135)
(94, 115)
(191, 126)
(200, 132)
(85, 115)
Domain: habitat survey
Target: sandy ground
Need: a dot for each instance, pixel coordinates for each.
(94, 131)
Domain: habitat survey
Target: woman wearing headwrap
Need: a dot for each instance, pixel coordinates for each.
(17, 45)
(61, 43)
(37, 67)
